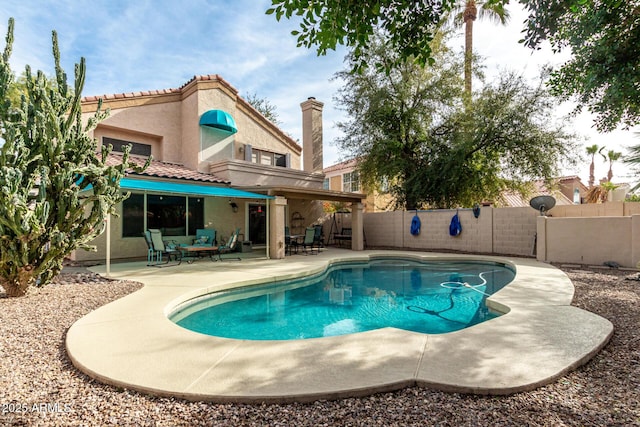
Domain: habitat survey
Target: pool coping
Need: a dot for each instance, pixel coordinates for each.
(131, 343)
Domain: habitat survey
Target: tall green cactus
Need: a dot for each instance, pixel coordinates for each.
(56, 187)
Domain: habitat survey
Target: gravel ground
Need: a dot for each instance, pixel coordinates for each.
(40, 387)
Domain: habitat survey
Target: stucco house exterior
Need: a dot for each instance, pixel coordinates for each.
(343, 176)
(217, 163)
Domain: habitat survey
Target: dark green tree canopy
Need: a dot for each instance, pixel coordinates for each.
(602, 35)
(408, 25)
(410, 128)
(603, 74)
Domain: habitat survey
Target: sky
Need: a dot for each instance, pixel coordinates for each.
(142, 45)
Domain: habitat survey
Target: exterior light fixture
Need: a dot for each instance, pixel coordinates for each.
(233, 205)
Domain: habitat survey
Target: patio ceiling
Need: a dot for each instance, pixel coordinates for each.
(300, 193)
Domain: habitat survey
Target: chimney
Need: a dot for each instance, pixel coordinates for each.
(312, 135)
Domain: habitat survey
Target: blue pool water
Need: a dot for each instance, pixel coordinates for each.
(426, 297)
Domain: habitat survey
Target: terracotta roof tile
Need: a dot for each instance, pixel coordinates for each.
(347, 164)
(165, 170)
(157, 92)
(512, 199)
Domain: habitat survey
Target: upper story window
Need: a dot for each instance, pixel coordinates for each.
(264, 157)
(325, 184)
(350, 182)
(268, 158)
(136, 147)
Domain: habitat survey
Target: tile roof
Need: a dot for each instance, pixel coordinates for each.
(347, 164)
(107, 97)
(513, 199)
(160, 169)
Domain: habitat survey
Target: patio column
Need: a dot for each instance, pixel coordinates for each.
(357, 227)
(541, 238)
(276, 227)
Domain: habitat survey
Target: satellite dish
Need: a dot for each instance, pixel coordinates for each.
(542, 203)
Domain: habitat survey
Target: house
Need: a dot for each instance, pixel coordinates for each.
(566, 190)
(343, 176)
(217, 163)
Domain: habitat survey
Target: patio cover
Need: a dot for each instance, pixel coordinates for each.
(188, 189)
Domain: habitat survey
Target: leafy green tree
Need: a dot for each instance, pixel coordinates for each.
(264, 107)
(632, 159)
(604, 69)
(592, 150)
(57, 190)
(410, 127)
(465, 12)
(602, 36)
(408, 26)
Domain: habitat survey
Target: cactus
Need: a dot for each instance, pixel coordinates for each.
(57, 189)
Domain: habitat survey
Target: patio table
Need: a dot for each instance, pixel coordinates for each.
(195, 251)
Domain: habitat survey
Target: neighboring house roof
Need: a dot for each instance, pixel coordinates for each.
(513, 199)
(575, 179)
(347, 164)
(165, 170)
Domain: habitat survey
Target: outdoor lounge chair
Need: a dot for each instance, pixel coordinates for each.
(318, 236)
(290, 244)
(159, 248)
(230, 246)
(310, 240)
(205, 237)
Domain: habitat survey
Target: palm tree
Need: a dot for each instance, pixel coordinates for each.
(633, 160)
(592, 150)
(465, 12)
(612, 156)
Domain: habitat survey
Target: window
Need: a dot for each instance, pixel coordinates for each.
(350, 182)
(196, 214)
(133, 216)
(325, 184)
(268, 158)
(136, 147)
(167, 213)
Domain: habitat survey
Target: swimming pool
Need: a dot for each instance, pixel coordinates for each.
(431, 297)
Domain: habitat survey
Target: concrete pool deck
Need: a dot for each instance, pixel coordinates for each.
(131, 343)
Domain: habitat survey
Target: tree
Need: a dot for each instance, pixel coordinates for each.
(465, 12)
(410, 127)
(592, 150)
(633, 160)
(604, 69)
(408, 26)
(612, 156)
(57, 190)
(603, 37)
(264, 107)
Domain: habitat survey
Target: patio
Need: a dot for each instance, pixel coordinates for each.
(131, 343)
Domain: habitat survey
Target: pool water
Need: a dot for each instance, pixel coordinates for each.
(425, 297)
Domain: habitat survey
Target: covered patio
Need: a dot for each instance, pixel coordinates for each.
(280, 197)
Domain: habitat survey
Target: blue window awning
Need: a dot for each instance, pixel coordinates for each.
(187, 189)
(219, 119)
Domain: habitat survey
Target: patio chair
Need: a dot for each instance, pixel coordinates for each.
(205, 237)
(310, 240)
(318, 237)
(161, 247)
(289, 243)
(230, 246)
(153, 256)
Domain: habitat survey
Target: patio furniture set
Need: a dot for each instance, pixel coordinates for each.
(161, 252)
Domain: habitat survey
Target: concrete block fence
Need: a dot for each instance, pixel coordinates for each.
(580, 234)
